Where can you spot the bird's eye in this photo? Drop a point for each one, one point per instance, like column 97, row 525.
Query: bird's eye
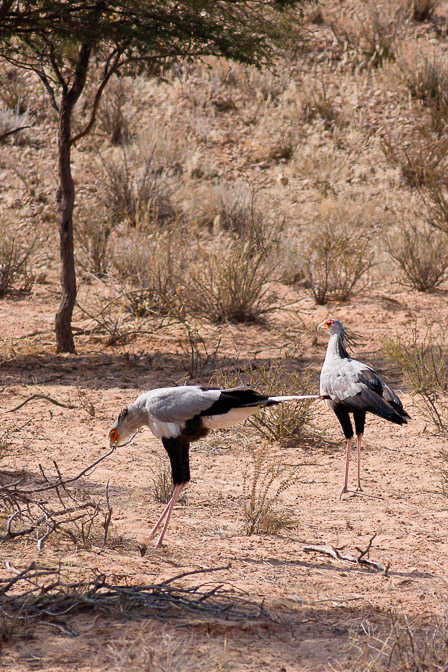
column 330, row 322
column 113, row 436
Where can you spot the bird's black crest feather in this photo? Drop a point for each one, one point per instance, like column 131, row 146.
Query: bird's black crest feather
column 123, row 414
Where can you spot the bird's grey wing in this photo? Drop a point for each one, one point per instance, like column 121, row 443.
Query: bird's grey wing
column 368, row 392
column 179, row 404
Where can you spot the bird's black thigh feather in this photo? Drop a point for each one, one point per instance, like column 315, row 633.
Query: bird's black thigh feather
column 178, row 452
column 360, row 421
column 344, row 418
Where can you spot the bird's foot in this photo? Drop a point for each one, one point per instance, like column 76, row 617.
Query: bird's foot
column 343, row 491
column 359, row 489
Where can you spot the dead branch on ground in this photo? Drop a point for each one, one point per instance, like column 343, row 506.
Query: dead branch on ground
column 68, row 516
column 327, row 549
column 39, row 594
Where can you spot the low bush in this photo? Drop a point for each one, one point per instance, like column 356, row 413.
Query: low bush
column 229, row 283
column 421, row 254
column 336, row 254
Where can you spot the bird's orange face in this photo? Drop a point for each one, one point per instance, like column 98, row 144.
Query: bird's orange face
column 326, row 324
column 114, row 436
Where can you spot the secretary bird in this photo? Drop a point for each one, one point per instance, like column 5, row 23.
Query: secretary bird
column 354, row 387
column 181, row 415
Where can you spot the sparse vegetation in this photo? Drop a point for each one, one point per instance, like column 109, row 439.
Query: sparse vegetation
column 264, row 482
column 403, row 643
column 16, row 273
column 335, row 259
column 232, row 283
column 422, row 359
column 218, row 206
column 421, row 253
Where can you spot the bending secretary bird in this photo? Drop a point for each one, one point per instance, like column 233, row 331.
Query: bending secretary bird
column 354, row 387
column 181, row 415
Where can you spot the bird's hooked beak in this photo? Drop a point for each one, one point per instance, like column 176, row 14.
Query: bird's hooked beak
column 323, row 325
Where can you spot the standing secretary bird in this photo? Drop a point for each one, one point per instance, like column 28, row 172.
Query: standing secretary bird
column 353, row 387
column 181, row 415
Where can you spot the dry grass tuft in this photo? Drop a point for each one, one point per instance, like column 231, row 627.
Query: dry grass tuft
column 16, row 254
column 264, row 482
column 407, row 646
column 147, row 647
column 373, row 30
column 424, row 70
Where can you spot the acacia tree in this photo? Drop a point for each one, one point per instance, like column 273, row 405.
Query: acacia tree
column 71, row 43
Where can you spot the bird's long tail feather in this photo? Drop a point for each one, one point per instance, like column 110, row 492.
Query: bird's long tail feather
column 296, row 397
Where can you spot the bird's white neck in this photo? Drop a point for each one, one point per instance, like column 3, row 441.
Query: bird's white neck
column 336, row 348
column 137, row 415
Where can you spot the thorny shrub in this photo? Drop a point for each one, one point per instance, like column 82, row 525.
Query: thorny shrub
column 230, row 283
column 421, row 157
column 149, row 265
column 287, row 423
column 421, row 253
column 336, row 253
column 200, row 359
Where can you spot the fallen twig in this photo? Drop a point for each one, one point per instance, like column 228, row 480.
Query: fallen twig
column 327, row 549
column 40, row 396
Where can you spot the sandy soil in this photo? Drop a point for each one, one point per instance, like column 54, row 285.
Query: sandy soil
column 318, row 604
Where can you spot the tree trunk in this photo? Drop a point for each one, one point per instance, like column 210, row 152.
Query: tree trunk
column 65, row 203
column 66, row 200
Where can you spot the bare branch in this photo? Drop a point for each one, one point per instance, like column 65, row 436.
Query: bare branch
column 15, row 130
column 40, row 396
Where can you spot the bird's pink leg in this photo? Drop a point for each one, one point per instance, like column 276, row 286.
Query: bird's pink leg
column 359, row 462
column 347, row 460
column 176, row 492
column 165, row 511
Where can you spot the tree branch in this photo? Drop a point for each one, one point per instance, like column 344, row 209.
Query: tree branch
column 108, row 72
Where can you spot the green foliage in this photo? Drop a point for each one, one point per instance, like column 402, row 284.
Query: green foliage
column 242, row 31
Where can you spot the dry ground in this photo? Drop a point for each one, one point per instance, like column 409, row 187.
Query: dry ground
column 321, row 603
column 308, row 144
